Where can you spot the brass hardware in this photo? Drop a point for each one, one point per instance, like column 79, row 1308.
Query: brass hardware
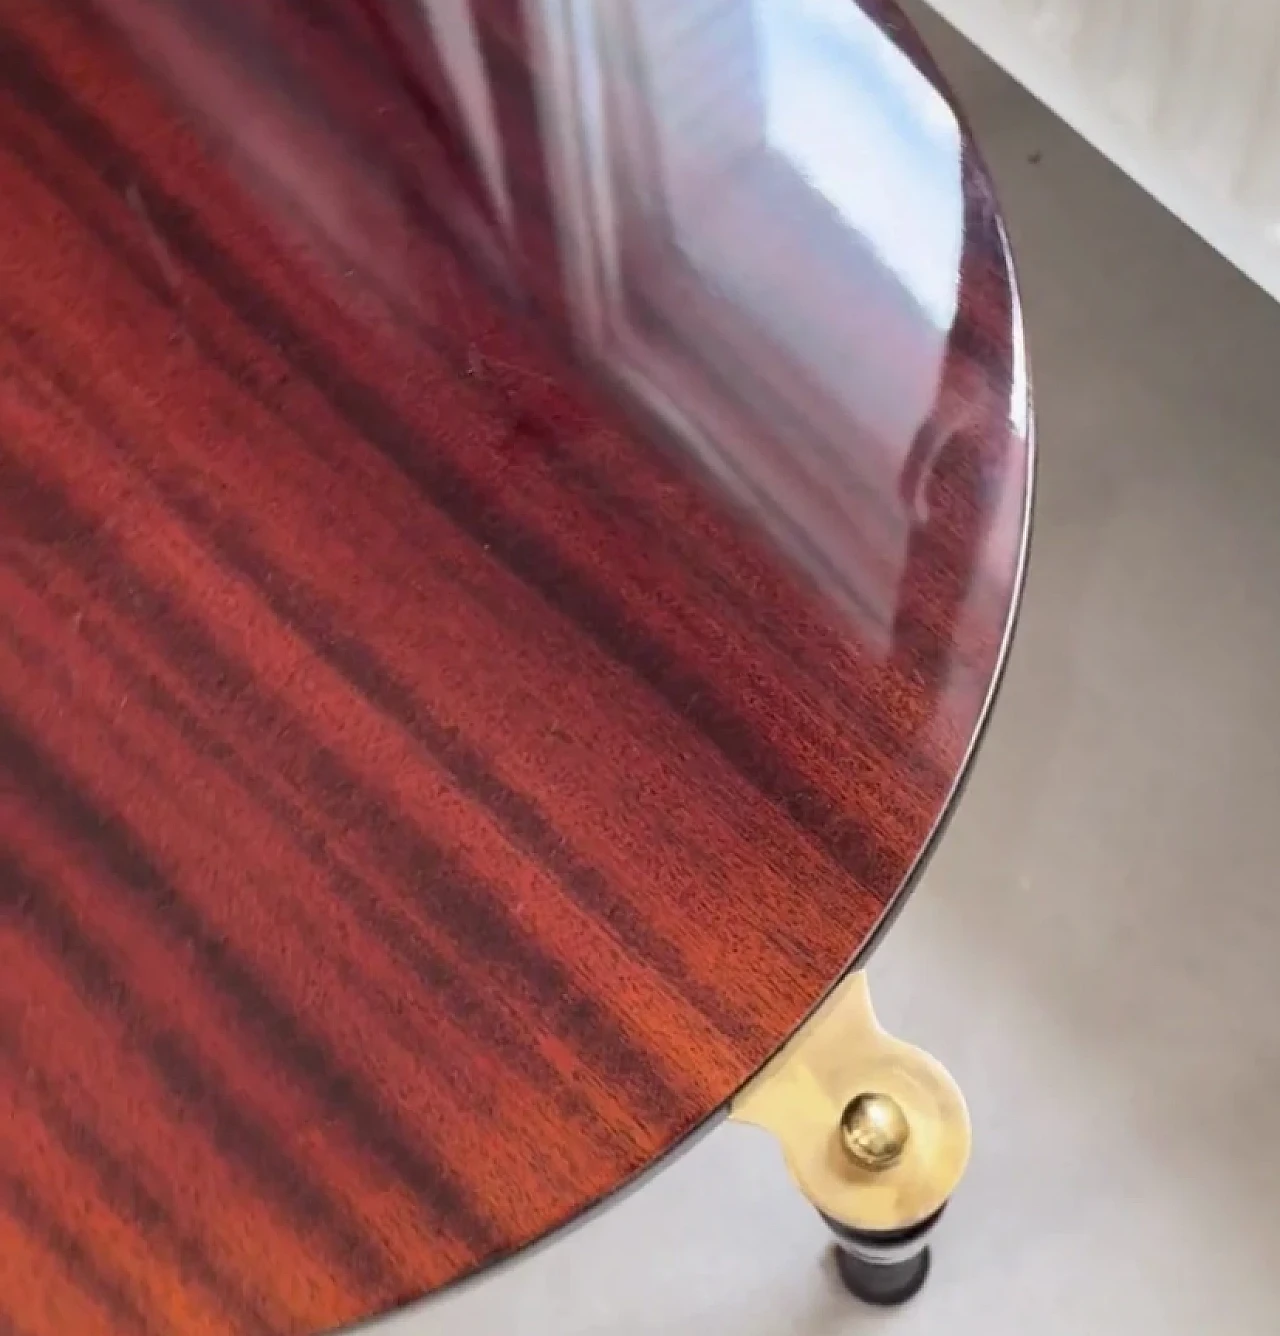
column 875, row 1132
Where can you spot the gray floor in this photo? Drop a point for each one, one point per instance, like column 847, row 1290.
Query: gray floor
column 1093, row 951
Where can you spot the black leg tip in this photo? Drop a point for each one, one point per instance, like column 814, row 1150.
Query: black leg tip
column 873, row 1267
column 885, row 1285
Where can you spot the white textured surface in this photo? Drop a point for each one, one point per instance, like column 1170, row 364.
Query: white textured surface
column 1182, row 94
column 1094, row 949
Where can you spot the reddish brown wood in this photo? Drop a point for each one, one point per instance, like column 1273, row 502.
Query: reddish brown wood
column 426, row 799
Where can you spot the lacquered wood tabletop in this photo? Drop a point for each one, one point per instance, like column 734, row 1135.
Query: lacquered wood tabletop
column 508, row 533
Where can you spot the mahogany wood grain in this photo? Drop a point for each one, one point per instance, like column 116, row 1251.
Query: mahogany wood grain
column 425, row 795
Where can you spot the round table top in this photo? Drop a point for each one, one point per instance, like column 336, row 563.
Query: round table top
column 499, row 589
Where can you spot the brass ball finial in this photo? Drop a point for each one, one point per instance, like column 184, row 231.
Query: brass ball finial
column 874, row 1130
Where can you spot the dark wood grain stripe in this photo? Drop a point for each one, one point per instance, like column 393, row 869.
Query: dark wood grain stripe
column 186, row 1077
column 291, row 1041
column 76, row 1255
column 473, row 1012
column 124, row 1190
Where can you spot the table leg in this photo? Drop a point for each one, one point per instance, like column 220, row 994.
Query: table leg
column 875, row 1133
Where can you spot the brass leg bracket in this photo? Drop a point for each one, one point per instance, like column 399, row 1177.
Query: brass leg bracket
column 875, row 1132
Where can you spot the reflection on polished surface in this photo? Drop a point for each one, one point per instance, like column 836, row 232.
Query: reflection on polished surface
column 510, row 520
column 764, row 216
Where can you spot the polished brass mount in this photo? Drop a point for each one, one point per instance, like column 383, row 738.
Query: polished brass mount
column 875, row 1132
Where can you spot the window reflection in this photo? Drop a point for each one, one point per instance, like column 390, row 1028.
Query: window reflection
column 826, row 72
column 763, row 204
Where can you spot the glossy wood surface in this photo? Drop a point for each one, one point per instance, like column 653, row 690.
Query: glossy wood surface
column 426, row 792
